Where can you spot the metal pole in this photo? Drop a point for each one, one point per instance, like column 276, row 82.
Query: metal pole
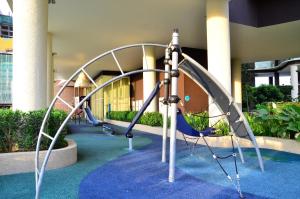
column 239, row 148
column 173, row 100
column 130, row 144
column 166, row 105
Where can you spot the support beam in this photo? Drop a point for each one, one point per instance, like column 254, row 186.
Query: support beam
column 294, row 82
column 29, row 87
column 218, row 45
column 50, row 70
column 271, row 80
column 149, row 79
column 276, row 76
column 236, row 81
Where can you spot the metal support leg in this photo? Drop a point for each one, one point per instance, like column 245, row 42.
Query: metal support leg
column 130, row 144
column 239, row 149
column 166, row 106
column 175, row 43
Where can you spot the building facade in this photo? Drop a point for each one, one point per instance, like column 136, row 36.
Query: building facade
column 6, row 66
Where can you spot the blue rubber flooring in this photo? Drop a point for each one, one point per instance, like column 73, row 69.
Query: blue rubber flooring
column 94, row 150
column 140, row 174
column 278, row 181
column 106, row 170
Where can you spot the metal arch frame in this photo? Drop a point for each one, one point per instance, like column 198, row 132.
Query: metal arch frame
column 242, row 117
column 39, row 172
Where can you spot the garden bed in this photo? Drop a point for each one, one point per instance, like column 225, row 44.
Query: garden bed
column 274, row 143
column 22, row 162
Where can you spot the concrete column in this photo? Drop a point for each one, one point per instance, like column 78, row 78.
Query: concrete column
column 270, row 80
column 29, row 87
column 236, row 81
column 50, row 72
column 276, row 76
column 149, row 78
column 218, row 45
column 294, row 82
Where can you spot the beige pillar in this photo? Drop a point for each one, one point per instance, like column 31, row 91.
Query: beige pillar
column 149, row 78
column 236, row 81
column 50, row 72
column 294, row 82
column 218, row 45
column 29, row 85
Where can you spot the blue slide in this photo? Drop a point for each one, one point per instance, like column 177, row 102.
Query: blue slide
column 142, row 110
column 91, row 118
column 187, row 129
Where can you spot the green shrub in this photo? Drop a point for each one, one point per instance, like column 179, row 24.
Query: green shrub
column 57, row 117
column 266, row 117
column 117, row 115
column 255, row 126
column 298, row 138
column 286, row 91
column 265, row 93
column 289, row 118
column 152, row 119
column 222, row 128
column 198, row 121
column 248, row 98
column 20, row 130
column 131, row 115
column 11, row 123
column 30, row 131
column 268, row 93
column 276, row 121
column 149, row 118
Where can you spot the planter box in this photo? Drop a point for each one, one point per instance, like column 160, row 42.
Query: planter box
column 22, row 162
column 279, row 144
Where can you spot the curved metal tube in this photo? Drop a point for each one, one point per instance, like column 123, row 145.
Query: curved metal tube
column 39, row 173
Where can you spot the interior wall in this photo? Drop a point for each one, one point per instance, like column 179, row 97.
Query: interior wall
column 186, row 86
column 114, row 97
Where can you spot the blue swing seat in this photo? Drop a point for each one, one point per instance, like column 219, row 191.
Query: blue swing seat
column 186, row 129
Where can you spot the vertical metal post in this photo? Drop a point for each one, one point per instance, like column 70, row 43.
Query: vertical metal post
column 166, row 105
column 130, row 144
column 173, row 100
column 236, row 140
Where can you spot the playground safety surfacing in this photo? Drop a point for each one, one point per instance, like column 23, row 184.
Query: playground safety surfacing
column 105, row 169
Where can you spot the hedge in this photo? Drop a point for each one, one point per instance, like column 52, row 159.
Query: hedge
column 198, row 121
column 19, row 130
column 149, row 118
column 253, row 96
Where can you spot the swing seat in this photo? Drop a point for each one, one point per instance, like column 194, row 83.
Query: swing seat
column 187, row 129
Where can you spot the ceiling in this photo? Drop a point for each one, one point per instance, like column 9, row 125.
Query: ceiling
column 84, row 29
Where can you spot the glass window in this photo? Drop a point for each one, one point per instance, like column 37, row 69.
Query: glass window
column 5, row 78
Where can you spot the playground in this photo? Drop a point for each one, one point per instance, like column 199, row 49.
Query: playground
column 219, row 97
column 112, row 100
